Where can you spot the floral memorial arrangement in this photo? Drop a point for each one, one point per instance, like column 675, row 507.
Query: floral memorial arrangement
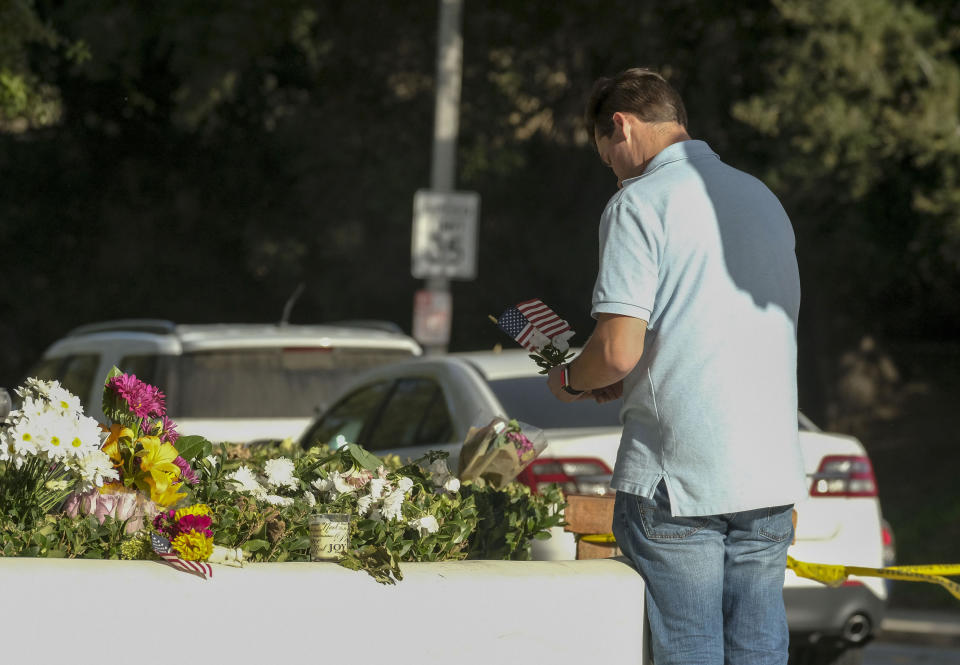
column 539, row 330
column 137, row 489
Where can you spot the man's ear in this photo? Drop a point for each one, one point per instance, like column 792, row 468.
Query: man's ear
column 620, row 125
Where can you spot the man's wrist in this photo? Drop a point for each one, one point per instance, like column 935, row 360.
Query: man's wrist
column 565, row 380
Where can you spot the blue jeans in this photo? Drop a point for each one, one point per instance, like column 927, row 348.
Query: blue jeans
column 714, row 584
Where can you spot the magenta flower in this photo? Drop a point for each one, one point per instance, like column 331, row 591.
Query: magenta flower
column 164, row 523
column 168, row 430
column 522, row 444
column 143, row 400
column 199, row 523
column 188, row 474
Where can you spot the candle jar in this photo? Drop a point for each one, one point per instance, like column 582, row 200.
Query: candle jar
column 329, row 536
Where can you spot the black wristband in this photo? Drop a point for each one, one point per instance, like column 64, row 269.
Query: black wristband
column 565, row 380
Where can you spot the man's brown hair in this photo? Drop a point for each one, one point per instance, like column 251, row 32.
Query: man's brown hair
column 642, row 92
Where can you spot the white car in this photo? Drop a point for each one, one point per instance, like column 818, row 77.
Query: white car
column 414, row 406
column 227, row 382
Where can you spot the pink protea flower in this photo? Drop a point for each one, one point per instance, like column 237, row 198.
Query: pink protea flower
column 144, row 400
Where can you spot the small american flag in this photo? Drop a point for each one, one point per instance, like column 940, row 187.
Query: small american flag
column 528, row 318
column 166, row 552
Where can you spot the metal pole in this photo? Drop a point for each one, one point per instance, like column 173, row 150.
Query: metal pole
column 446, row 123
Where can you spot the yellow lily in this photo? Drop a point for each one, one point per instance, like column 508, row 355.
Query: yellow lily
column 156, row 458
column 112, row 445
column 166, row 497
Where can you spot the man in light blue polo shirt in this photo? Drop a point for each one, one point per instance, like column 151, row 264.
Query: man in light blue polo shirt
column 696, row 304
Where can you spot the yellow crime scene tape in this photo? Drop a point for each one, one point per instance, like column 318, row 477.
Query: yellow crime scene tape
column 835, row 575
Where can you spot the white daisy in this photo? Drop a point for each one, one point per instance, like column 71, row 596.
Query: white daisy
column 63, row 401
column 94, row 468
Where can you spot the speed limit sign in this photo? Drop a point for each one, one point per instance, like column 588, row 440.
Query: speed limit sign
column 445, row 234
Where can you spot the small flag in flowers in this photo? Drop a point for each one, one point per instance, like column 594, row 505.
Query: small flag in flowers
column 534, row 325
column 166, row 552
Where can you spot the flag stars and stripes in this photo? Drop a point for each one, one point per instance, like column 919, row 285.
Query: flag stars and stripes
column 530, row 320
column 165, row 551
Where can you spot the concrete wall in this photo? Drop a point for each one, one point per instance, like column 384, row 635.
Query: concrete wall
column 463, row 613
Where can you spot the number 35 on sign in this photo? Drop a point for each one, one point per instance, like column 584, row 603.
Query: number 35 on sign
column 445, row 234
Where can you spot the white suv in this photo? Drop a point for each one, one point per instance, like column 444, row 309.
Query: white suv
column 228, row 382
column 429, row 403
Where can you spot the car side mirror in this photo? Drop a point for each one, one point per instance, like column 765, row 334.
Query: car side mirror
column 5, row 403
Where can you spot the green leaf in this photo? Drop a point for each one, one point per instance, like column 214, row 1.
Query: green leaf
column 193, row 446
column 255, row 545
column 364, row 458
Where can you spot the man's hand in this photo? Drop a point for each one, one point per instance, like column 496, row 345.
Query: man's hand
column 555, row 383
column 608, row 393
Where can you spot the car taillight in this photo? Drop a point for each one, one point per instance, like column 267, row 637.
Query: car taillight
column 844, row 475
column 575, row 475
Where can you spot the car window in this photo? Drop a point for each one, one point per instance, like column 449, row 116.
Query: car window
column 144, row 367
column 348, row 417
column 415, row 414
column 76, row 375
column 528, row 400
column 266, row 383
column 74, row 372
column 46, row 370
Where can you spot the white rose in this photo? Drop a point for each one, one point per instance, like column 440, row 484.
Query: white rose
column 452, row 484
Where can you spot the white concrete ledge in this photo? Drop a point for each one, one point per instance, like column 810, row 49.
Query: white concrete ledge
column 468, row 612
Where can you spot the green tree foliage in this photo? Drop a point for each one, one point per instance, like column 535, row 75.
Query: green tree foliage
column 26, row 99
column 861, row 117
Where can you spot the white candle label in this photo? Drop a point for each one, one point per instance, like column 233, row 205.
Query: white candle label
column 329, row 536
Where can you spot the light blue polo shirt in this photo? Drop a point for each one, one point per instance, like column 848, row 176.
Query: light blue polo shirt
column 705, row 254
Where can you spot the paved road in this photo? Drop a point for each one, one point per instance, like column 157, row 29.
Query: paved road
column 884, row 653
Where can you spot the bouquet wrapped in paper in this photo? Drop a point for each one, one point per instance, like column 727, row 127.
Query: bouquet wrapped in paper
column 499, row 451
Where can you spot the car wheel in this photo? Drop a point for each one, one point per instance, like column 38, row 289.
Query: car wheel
column 826, row 655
